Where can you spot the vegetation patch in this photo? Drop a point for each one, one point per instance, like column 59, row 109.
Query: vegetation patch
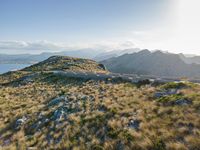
column 174, row 85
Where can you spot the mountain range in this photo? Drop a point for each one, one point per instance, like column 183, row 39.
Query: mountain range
column 94, row 54
column 133, row 60
column 34, row 58
column 156, row 63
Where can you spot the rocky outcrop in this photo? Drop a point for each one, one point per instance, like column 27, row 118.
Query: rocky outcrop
column 163, row 93
column 183, row 101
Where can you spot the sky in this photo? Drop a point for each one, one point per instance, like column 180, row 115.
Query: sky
column 35, row 26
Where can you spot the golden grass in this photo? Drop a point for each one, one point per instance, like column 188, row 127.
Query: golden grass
column 102, row 122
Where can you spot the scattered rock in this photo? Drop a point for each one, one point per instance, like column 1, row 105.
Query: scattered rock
column 6, row 142
column 84, row 97
column 165, row 93
column 91, row 98
column 20, row 122
column 102, row 108
column 58, row 114
column 61, row 107
column 41, row 115
column 134, row 123
column 183, row 101
column 57, row 100
column 120, row 145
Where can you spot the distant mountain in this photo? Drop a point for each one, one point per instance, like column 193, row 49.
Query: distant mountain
column 94, row 54
column 31, row 59
column 190, row 59
column 152, row 63
column 114, row 53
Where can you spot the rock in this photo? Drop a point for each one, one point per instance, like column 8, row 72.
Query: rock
column 58, row 114
column 159, row 94
column 6, row 142
column 91, row 98
column 134, row 123
column 84, row 97
column 46, row 120
column 102, row 108
column 171, row 91
column 183, row 101
column 20, row 122
column 57, row 100
column 40, row 116
column 101, row 66
column 165, row 93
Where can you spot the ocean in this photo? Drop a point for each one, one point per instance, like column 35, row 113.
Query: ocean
column 11, row 67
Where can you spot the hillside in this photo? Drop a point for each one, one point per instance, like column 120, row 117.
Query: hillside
column 43, row 110
column 66, row 63
column 152, row 63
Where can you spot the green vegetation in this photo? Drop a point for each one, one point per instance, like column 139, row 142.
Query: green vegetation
column 174, row 85
column 170, row 98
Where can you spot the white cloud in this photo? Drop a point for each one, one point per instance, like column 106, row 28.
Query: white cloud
column 30, row 47
column 27, row 45
column 17, row 47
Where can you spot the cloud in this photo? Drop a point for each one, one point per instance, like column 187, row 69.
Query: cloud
column 115, row 45
column 16, row 47
column 22, row 46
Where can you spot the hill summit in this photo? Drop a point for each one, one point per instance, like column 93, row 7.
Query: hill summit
column 67, row 63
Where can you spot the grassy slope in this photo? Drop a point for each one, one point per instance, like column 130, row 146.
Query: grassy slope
column 66, row 63
column 101, row 123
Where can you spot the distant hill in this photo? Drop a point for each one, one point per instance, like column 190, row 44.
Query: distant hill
column 34, row 58
column 66, row 63
column 152, row 63
column 95, row 54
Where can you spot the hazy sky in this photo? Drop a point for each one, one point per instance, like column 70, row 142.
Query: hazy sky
column 34, row 26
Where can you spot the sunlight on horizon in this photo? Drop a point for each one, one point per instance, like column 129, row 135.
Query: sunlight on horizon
column 186, row 36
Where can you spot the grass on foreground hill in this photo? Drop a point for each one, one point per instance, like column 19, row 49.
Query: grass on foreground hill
column 52, row 112
column 67, row 63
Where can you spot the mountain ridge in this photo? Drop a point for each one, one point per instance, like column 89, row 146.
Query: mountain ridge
column 152, row 63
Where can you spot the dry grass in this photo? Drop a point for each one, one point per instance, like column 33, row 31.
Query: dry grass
column 102, row 120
